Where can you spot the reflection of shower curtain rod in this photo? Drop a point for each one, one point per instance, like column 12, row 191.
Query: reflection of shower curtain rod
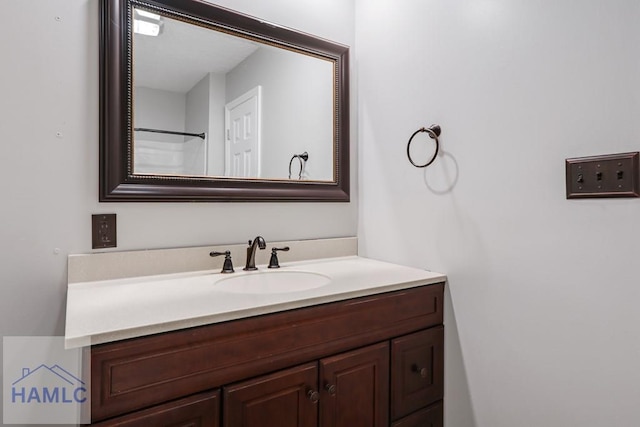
column 170, row 132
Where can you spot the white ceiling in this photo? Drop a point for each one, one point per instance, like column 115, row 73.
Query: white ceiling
column 183, row 54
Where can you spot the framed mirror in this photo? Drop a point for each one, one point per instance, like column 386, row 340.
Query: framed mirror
column 201, row 103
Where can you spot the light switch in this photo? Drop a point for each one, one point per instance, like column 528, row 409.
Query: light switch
column 612, row 175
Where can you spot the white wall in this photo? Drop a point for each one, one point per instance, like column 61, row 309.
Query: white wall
column 291, row 124
column 216, row 133
column 159, row 109
column 49, row 148
column 197, row 121
column 157, row 152
column 542, row 318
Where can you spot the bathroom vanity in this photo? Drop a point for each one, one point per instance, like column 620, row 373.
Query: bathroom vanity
column 365, row 349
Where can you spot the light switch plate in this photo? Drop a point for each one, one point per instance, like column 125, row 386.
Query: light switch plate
column 612, row 175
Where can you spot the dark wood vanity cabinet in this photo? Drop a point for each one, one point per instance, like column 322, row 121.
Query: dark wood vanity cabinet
column 431, row 416
column 260, row 401
column 370, row 361
column 417, row 363
column 345, row 390
column 354, row 388
column 200, row 410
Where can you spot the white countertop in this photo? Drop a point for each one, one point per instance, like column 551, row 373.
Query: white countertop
column 112, row 310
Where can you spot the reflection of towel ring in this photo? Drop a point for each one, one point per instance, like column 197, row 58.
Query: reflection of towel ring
column 434, row 132
column 301, row 157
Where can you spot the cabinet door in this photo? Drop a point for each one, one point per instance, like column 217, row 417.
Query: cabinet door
column 201, row 410
column 428, row 417
column 355, row 388
column 286, row 398
column 417, row 371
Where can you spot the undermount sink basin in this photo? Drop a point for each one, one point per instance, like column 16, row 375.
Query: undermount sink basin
column 272, row 282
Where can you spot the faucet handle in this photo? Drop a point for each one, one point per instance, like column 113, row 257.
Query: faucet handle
column 227, row 267
column 273, row 262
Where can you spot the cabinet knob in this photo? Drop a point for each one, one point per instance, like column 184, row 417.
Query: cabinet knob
column 331, row 388
column 424, row 372
column 313, row 395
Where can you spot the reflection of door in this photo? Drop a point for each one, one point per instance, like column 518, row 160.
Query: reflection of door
column 242, row 127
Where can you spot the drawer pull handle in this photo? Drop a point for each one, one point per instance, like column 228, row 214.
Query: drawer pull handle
column 331, row 388
column 424, row 372
column 314, row 396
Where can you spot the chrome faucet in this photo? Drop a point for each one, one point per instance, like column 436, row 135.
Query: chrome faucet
column 251, row 252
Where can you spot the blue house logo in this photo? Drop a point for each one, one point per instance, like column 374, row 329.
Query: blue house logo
column 44, row 383
column 48, row 385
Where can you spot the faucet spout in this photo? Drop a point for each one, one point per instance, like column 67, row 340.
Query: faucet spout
column 258, row 242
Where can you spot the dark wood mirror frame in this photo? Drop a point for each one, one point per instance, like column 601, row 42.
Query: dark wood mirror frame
column 117, row 181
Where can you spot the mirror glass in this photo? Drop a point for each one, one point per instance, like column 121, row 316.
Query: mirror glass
column 202, row 103
column 207, row 103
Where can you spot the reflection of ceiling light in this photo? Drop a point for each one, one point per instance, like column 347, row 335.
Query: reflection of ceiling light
column 147, row 23
column 146, row 28
column 146, row 14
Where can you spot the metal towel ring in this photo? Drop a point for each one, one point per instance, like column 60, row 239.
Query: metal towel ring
column 434, row 132
column 301, row 157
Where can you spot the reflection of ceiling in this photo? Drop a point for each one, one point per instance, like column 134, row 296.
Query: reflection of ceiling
column 183, row 54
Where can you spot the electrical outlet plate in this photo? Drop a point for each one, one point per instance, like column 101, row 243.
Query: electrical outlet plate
column 103, row 231
column 612, row 175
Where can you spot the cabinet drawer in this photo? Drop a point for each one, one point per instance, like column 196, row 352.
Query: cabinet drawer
column 417, row 371
column 427, row 417
column 202, row 410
